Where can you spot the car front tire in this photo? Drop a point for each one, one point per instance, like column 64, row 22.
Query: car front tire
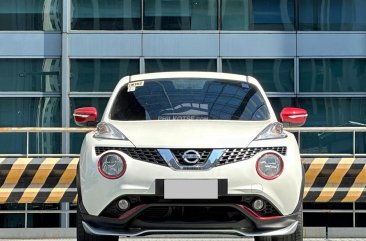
column 84, row 236
column 296, row 236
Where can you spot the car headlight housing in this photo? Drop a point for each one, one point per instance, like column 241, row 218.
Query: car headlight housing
column 112, row 165
column 269, row 166
column 272, row 131
column 108, row 131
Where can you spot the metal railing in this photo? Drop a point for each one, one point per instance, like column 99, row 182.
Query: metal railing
column 296, row 130
column 28, row 130
column 321, row 130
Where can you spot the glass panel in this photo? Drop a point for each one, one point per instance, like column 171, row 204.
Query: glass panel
column 334, row 15
column 332, row 75
column 258, row 15
column 190, row 99
column 275, row 75
column 30, row 112
column 76, row 139
column 100, row 74
column 106, row 15
column 336, row 112
column 157, row 65
column 30, row 75
column 43, row 220
column 180, row 15
column 12, row 220
column 41, row 15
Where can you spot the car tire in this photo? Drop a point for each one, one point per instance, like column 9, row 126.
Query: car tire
column 265, row 238
column 297, row 235
column 84, row 236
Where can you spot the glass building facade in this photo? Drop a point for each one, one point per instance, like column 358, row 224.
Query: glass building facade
column 58, row 55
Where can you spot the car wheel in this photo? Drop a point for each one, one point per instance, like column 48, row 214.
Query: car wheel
column 297, row 235
column 84, row 236
column 263, row 238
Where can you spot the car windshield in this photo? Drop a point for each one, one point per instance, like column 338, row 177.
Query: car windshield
column 189, row 99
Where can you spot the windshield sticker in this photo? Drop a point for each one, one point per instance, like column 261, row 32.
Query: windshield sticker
column 245, row 86
column 132, row 86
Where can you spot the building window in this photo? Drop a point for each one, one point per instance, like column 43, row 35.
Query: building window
column 42, row 75
column 157, row 65
column 258, row 15
column 180, row 15
column 337, row 112
column 100, row 75
column 30, row 15
column 30, row 112
column 275, row 75
column 332, row 15
column 332, row 75
column 106, row 15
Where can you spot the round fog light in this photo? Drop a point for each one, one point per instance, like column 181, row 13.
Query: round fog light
column 123, row 204
column 258, row 205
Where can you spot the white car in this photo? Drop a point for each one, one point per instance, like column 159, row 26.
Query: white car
column 189, row 152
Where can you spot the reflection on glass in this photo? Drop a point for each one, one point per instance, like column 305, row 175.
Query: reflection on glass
column 100, row 74
column 106, row 15
column 275, row 75
column 332, row 15
column 76, row 139
column 41, row 15
column 180, row 15
column 30, row 112
column 258, row 15
column 332, row 75
column 42, row 75
column 157, row 65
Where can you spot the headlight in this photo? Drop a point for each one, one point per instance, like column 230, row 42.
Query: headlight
column 272, row 131
column 269, row 166
column 112, row 165
column 108, row 131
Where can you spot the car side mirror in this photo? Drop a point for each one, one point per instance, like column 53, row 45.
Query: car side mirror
column 294, row 116
column 86, row 116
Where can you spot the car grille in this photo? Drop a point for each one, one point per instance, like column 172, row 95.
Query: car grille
column 231, row 155
column 204, row 153
column 237, row 154
column 142, row 154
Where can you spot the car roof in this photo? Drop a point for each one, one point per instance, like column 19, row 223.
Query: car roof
column 188, row 74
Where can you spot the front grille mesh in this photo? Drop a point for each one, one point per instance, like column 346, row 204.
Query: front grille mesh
column 237, row 154
column 204, row 153
column 142, row 154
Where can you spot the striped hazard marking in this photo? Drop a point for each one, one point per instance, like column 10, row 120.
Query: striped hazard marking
column 38, row 180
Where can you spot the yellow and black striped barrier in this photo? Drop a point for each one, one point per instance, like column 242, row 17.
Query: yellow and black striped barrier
column 38, row 180
column 52, row 180
column 335, row 179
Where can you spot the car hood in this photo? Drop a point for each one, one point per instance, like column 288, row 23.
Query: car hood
column 191, row 134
